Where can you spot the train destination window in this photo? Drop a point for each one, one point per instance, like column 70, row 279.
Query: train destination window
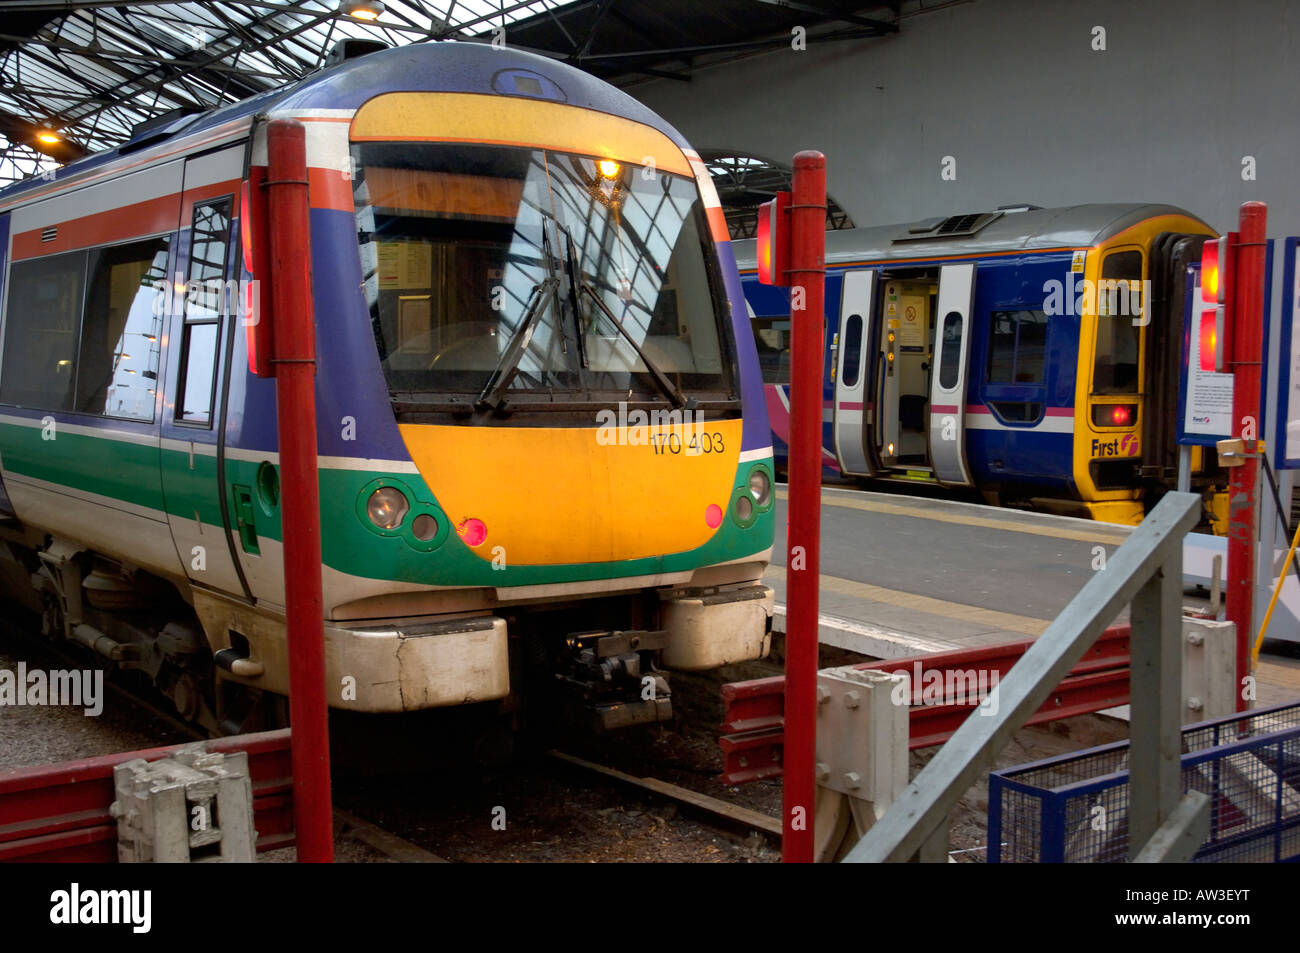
column 1017, row 347
column 208, row 298
column 42, row 321
column 772, row 338
column 117, row 369
column 581, row 274
column 852, row 350
column 1115, row 367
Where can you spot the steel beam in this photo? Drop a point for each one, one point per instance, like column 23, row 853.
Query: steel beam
column 1181, row 835
column 1156, row 702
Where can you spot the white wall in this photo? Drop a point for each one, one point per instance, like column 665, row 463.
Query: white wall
column 1014, row 91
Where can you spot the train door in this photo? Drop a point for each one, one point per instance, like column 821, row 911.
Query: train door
column 852, row 373
column 906, row 342
column 951, row 366
column 200, row 318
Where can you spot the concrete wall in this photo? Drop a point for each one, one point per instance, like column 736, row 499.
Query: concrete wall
column 1013, row 90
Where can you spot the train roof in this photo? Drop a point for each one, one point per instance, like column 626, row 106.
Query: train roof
column 442, row 66
column 1020, row 228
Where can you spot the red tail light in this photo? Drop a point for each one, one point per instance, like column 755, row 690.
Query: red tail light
column 773, row 245
column 256, row 298
column 1114, row 415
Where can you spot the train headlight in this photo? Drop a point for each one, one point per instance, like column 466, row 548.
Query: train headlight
column 387, row 507
column 760, row 487
column 424, row 527
column 744, row 509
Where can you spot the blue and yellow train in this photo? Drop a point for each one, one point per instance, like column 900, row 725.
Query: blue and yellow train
column 543, row 448
column 1029, row 354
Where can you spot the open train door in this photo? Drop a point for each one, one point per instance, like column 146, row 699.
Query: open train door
column 856, row 329
column 948, row 380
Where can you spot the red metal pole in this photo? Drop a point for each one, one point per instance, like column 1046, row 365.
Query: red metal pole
column 803, row 534
column 295, row 398
column 1247, row 356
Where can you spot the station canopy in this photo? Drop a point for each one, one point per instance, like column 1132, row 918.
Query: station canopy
column 76, row 78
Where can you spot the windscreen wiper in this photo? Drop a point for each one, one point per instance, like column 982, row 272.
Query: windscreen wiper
column 543, row 296
column 574, row 271
column 669, row 389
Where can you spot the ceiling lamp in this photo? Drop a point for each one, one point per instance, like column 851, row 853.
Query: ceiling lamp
column 362, row 9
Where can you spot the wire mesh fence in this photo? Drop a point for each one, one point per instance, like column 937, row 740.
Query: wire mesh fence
column 1074, row 808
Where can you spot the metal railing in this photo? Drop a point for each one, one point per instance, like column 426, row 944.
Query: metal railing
column 1145, row 573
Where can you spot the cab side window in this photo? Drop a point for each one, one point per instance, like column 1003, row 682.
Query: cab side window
column 208, row 300
column 1119, row 304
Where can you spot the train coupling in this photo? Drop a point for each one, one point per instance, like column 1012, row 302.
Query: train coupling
column 612, row 681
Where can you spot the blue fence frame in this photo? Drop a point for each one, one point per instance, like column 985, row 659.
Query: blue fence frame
column 1249, row 765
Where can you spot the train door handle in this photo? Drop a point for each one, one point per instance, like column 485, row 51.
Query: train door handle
column 245, row 520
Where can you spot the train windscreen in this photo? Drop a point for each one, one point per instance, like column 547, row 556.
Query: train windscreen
column 540, row 277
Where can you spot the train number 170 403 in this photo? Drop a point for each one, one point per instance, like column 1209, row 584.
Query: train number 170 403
column 692, row 444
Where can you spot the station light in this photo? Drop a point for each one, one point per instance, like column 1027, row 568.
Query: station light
column 773, row 245
column 608, row 168
column 48, row 136
column 363, row 9
column 1216, row 279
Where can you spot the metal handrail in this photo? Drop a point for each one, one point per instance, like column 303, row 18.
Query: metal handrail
column 1146, row 572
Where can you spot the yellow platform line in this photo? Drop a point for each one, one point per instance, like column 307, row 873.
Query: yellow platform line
column 1023, row 624
column 983, row 522
column 1284, row 675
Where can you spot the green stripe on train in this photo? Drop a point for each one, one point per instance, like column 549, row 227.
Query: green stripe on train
column 134, row 472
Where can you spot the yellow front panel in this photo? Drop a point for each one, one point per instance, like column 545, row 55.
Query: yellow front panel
column 558, row 495
column 1095, row 443
column 505, row 120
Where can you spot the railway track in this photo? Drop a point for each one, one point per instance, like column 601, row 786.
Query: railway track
column 739, row 825
column 714, row 811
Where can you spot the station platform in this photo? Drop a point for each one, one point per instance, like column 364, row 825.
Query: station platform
column 905, row 575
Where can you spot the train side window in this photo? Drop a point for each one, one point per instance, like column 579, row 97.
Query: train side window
column 1017, row 347
column 772, row 338
column 1119, row 301
column 950, row 359
column 852, row 350
column 208, row 299
column 40, row 354
column 117, row 366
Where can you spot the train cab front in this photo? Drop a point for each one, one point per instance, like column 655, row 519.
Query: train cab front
column 551, row 318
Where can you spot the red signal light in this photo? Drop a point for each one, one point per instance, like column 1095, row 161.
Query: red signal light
column 1212, row 339
column 773, row 245
column 1216, row 284
column 1210, row 271
column 1121, row 415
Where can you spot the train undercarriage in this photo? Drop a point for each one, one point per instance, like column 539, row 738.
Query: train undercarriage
column 558, row 670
